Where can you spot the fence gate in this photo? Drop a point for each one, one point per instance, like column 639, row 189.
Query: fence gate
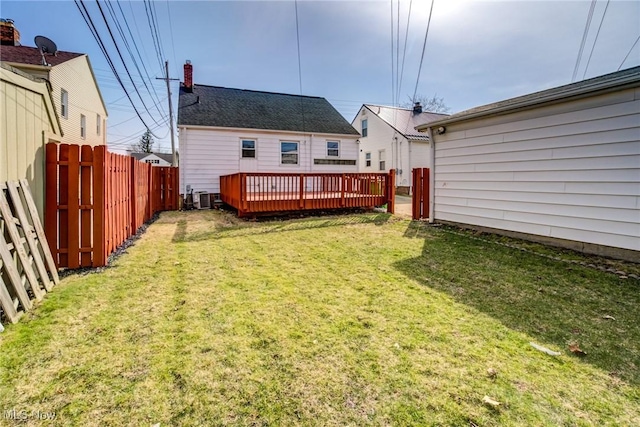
column 420, row 200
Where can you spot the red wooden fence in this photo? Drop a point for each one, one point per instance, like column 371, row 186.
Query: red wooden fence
column 420, row 201
column 95, row 200
column 252, row 193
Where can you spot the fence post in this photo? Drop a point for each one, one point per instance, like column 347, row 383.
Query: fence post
column 425, row 192
column 134, row 196
column 391, row 191
column 86, row 160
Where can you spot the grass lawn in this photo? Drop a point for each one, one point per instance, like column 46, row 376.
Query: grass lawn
column 349, row 320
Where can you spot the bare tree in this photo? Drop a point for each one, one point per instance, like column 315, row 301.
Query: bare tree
column 435, row 104
column 144, row 144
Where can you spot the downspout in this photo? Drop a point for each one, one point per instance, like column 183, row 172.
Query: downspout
column 410, row 168
column 432, row 176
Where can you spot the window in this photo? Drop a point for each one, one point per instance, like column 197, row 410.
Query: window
column 381, row 160
column 153, row 161
column 289, row 153
column 333, row 148
column 98, row 121
column 367, row 158
column 248, row 149
column 64, row 103
column 364, row 127
column 83, row 126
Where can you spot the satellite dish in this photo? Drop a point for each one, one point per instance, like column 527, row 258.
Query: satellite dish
column 46, row 45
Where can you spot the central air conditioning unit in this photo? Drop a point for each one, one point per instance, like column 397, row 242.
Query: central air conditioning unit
column 201, row 200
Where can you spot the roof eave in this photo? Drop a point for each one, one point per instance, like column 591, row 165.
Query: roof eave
column 554, row 98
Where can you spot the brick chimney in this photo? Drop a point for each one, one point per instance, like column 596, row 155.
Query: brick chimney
column 188, row 76
column 417, row 108
column 9, row 34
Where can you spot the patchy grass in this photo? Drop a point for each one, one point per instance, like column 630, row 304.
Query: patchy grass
column 351, row 320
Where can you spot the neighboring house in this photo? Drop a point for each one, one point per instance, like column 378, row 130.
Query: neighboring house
column 390, row 141
column 224, row 131
column 27, row 121
column 561, row 165
column 155, row 159
column 75, row 92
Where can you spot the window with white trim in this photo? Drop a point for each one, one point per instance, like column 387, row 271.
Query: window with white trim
column 248, row 148
column 365, row 127
column 64, row 103
column 381, row 160
column 367, row 159
column 83, row 126
column 288, row 153
column 333, row 148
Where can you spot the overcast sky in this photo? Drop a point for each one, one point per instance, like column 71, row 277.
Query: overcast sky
column 477, row 52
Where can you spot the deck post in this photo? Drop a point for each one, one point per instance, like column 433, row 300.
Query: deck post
column 344, row 183
column 391, row 191
column 301, row 191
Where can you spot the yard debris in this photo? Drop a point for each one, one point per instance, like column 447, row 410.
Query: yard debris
column 491, row 402
column 545, row 349
column 492, row 373
column 607, row 317
column 575, row 349
column 1, row 328
column 396, row 345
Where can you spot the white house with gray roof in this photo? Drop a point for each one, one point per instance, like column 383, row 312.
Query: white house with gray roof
column 225, row 131
column 561, row 166
column 390, row 140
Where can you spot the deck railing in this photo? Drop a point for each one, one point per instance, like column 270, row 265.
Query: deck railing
column 255, row 193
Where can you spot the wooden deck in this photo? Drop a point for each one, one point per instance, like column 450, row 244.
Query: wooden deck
column 263, row 193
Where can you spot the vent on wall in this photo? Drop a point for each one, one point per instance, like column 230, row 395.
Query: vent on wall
column 201, row 200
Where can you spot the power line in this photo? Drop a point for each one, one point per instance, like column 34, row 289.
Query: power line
column 424, row 45
column 131, row 55
column 94, row 31
column 299, row 67
column 404, row 51
column 596, row 39
column 628, row 53
column 173, row 46
column 393, row 81
column 584, row 39
column 135, row 87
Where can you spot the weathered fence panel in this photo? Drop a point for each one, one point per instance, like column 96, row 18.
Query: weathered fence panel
column 95, row 200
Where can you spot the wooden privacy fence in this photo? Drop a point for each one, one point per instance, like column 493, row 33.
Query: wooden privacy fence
column 95, row 200
column 27, row 270
column 420, row 200
column 253, row 193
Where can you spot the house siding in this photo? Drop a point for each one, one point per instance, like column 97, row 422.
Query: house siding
column 207, row 154
column 25, row 128
column 568, row 171
column 76, row 78
column 398, row 156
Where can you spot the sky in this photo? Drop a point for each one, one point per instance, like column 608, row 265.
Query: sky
column 350, row 52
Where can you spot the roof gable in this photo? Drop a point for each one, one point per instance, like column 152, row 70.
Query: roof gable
column 31, row 56
column 403, row 120
column 247, row 109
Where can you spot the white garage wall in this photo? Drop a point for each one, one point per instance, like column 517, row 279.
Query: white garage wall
column 568, row 171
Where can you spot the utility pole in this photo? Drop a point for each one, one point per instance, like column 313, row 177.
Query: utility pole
column 173, row 143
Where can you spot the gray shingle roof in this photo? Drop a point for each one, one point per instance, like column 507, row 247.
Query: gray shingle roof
column 248, row 109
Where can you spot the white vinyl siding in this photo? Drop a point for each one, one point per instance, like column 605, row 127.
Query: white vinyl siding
column 570, row 171
column 206, row 154
column 98, row 124
column 75, row 77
